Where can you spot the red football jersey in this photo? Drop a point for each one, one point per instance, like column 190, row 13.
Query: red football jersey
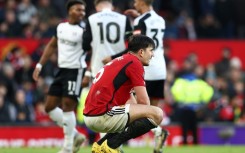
column 113, row 83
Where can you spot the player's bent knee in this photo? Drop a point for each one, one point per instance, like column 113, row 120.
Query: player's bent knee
column 158, row 115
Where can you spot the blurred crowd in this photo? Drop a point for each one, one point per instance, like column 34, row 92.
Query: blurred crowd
column 185, row 19
column 22, row 99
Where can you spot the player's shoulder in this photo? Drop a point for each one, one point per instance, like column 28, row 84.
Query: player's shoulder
column 62, row 24
column 107, row 13
column 132, row 59
column 67, row 25
column 142, row 18
column 118, row 14
column 155, row 15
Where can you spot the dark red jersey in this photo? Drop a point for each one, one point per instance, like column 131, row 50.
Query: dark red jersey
column 113, row 84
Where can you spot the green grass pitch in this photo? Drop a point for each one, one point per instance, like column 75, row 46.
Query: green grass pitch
column 168, row 149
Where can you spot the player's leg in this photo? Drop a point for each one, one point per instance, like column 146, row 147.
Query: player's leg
column 71, row 87
column 51, row 107
column 142, row 119
column 69, row 123
column 53, row 101
column 155, row 90
column 160, row 134
column 109, row 123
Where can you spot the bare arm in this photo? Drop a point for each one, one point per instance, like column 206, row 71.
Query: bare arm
column 48, row 51
column 132, row 12
column 141, row 95
column 132, row 99
column 88, row 74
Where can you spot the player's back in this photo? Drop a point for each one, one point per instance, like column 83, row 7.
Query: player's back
column 108, row 32
column 113, row 83
column 153, row 27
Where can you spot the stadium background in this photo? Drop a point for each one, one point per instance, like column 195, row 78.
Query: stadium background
column 198, row 31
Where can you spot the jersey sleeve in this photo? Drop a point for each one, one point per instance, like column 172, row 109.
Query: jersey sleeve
column 140, row 27
column 56, row 32
column 128, row 29
column 135, row 72
column 87, row 37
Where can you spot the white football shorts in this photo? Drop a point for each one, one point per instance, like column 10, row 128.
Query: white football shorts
column 113, row 121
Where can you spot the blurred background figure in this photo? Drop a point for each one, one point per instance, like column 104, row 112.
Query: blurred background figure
column 191, row 94
column 7, row 109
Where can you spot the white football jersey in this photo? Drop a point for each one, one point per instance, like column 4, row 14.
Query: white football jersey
column 153, row 26
column 107, row 32
column 69, row 45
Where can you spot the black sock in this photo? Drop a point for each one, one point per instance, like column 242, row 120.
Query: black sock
column 135, row 129
column 107, row 136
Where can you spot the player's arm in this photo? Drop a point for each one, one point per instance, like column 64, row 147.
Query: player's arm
column 141, row 95
column 87, row 39
column 128, row 30
column 140, row 28
column 132, row 12
column 87, row 75
column 135, row 73
column 86, row 44
column 132, row 99
column 50, row 48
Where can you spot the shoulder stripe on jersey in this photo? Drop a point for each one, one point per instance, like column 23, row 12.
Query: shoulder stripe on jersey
column 121, row 77
column 145, row 17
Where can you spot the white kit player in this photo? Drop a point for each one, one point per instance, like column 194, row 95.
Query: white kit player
column 105, row 34
column 66, row 87
column 149, row 23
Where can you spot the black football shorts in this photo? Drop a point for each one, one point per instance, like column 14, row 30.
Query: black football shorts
column 67, row 83
column 155, row 88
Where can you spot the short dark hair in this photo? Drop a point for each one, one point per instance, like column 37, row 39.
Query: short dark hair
column 96, row 2
column 70, row 3
column 137, row 42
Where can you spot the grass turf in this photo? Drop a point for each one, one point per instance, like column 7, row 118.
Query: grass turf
column 181, row 149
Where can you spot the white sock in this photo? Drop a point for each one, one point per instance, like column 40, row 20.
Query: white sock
column 157, row 131
column 102, row 135
column 69, row 124
column 57, row 116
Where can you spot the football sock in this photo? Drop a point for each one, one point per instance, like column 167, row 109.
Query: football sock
column 157, row 131
column 69, row 124
column 135, row 129
column 107, row 136
column 57, row 116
